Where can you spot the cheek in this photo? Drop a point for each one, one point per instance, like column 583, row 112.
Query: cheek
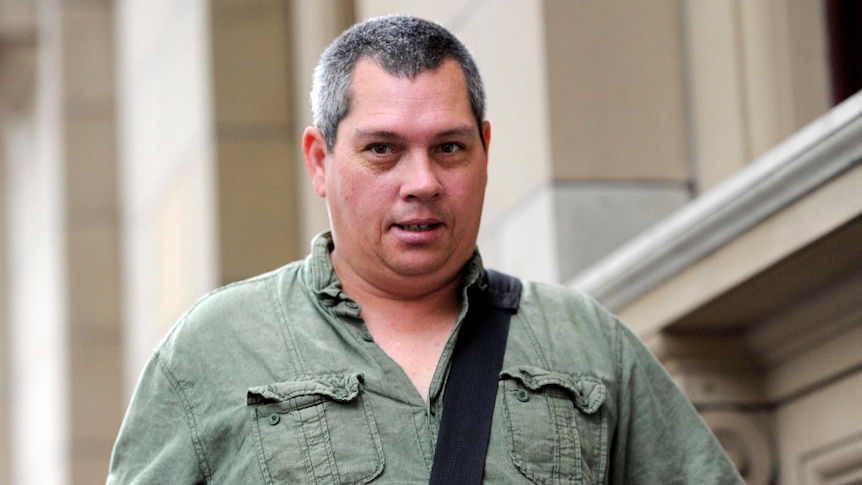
column 471, row 191
column 362, row 200
column 345, row 187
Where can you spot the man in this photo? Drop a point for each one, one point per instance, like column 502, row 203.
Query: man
column 334, row 369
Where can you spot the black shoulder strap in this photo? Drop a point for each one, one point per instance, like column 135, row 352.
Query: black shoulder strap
column 471, row 387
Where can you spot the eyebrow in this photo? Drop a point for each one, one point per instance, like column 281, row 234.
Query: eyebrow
column 365, row 134
column 466, row 131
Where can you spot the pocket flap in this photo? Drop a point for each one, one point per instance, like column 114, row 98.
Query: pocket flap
column 343, row 387
column 587, row 392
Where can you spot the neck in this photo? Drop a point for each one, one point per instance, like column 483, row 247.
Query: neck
column 382, row 285
column 412, row 328
column 425, row 302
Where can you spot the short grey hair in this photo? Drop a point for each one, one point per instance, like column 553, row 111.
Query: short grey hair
column 402, row 46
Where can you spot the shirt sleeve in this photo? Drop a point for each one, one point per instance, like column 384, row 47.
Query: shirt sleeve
column 660, row 437
column 157, row 440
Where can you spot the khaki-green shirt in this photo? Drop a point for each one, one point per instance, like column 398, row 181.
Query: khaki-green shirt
column 277, row 380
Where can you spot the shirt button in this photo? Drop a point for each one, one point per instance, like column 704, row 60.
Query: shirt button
column 523, row 395
column 274, row 419
column 340, row 393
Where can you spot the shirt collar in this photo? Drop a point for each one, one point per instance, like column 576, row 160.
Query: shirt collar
column 324, row 282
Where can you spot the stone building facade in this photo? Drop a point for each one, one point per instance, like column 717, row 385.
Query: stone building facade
column 693, row 164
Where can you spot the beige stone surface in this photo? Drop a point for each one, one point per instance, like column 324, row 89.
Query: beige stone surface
column 166, row 168
column 88, row 57
column 90, row 147
column 757, row 73
column 616, row 90
column 95, row 275
column 820, row 436
column 776, row 238
column 96, row 407
column 258, row 207
column 250, row 71
column 718, row 124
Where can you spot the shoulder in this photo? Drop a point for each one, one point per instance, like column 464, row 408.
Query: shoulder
column 247, row 312
column 562, row 306
column 562, row 328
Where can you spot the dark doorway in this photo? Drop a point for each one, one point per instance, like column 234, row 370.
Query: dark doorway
column 844, row 18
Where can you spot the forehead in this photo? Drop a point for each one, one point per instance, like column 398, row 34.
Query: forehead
column 377, row 93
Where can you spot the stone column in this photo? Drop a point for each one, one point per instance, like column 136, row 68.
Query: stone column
column 722, row 378
column 313, row 26
column 35, row 250
column 92, row 237
column 258, row 161
column 167, row 168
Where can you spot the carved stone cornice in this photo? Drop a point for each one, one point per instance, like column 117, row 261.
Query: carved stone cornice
column 816, row 155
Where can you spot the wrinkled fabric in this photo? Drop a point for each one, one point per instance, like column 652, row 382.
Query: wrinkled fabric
column 277, row 380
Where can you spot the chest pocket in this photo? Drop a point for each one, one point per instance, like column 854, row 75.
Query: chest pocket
column 319, row 430
column 557, row 425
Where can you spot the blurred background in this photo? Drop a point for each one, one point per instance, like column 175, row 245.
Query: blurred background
column 693, row 164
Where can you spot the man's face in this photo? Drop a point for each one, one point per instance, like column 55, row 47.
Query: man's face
column 405, row 181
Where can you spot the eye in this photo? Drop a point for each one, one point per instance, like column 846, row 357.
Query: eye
column 450, row 147
column 379, row 149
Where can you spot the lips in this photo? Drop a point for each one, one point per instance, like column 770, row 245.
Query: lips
column 417, row 227
column 421, row 231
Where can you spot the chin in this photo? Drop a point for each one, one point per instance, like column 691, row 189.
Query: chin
column 414, row 267
column 414, row 270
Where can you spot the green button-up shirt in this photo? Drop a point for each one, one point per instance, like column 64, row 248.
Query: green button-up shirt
column 277, row 380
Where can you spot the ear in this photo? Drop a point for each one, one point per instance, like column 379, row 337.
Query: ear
column 486, row 135
column 314, row 151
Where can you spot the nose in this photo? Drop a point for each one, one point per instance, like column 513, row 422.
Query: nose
column 420, row 178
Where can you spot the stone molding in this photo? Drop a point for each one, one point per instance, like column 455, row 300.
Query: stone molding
column 841, row 463
column 747, row 443
column 817, row 154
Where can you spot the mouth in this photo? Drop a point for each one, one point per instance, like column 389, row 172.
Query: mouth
column 417, row 227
